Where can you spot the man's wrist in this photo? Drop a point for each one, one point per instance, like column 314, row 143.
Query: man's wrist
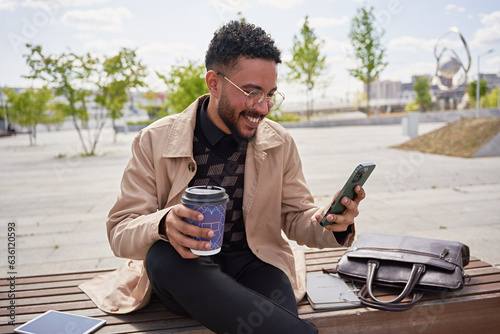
column 161, row 227
column 340, row 236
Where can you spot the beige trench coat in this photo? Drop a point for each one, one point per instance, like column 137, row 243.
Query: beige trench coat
column 276, row 198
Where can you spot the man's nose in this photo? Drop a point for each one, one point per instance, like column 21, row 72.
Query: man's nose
column 263, row 108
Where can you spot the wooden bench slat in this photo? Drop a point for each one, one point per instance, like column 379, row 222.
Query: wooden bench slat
column 64, row 306
column 483, row 271
column 159, row 324
column 43, row 292
column 53, row 278
column 481, row 279
column 46, row 285
column 74, row 297
column 319, row 260
column 159, row 327
column 477, row 264
column 315, row 254
column 476, row 316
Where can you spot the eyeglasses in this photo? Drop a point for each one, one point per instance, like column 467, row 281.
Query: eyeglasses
column 256, row 96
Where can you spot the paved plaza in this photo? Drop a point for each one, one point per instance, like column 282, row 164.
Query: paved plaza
column 59, row 201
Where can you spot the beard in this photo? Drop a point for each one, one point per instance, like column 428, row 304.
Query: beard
column 230, row 116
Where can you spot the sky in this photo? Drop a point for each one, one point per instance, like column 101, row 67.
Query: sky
column 173, row 32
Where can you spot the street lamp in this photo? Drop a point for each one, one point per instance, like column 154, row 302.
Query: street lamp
column 2, row 106
column 498, row 91
column 478, row 79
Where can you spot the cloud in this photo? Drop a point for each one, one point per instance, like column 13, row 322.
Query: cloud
column 489, row 34
column 168, row 49
column 405, row 73
column 452, row 7
column 230, row 6
column 60, row 3
column 321, row 21
column 84, row 36
column 337, row 47
column 340, row 63
column 493, row 62
column 9, row 5
column 282, row 4
column 411, row 44
column 165, row 55
column 103, row 46
column 106, row 19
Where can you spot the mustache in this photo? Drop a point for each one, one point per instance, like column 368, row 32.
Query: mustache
column 253, row 113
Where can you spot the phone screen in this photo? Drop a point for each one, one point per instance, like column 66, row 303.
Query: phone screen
column 358, row 177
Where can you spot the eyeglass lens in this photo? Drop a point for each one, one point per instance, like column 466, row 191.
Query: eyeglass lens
column 256, row 97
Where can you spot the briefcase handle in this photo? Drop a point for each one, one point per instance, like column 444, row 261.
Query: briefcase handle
column 392, row 305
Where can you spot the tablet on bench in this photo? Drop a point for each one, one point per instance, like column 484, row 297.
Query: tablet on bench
column 60, row 322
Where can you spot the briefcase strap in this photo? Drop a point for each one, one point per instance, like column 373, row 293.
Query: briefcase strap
column 363, row 296
column 392, row 305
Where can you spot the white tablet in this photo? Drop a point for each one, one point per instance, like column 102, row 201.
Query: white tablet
column 60, row 322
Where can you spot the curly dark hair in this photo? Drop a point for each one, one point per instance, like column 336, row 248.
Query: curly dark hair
column 237, row 39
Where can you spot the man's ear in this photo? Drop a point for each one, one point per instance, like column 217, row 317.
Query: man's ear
column 214, row 84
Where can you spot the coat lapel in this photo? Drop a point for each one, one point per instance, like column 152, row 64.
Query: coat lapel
column 266, row 138
column 179, row 150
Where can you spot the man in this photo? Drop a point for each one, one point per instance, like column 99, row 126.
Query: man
column 221, row 139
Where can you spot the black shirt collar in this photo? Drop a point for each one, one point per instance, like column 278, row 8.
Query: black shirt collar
column 213, row 134
column 210, row 130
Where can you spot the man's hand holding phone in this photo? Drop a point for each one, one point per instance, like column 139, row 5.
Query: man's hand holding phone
column 340, row 222
column 344, row 207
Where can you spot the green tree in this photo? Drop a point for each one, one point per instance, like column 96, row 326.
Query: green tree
column 307, row 63
column 412, row 106
column 422, row 87
column 119, row 74
column 69, row 75
column 472, row 89
column 369, row 53
column 184, row 85
column 28, row 108
column 241, row 17
column 491, row 100
column 54, row 117
column 155, row 106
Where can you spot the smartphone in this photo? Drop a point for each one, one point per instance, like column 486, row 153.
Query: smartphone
column 358, row 177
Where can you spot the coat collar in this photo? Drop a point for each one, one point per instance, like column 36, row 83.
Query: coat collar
column 179, row 142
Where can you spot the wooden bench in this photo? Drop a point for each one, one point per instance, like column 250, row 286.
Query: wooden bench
column 475, row 309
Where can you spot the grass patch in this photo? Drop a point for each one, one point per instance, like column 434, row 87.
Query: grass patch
column 284, row 117
column 147, row 122
column 459, row 139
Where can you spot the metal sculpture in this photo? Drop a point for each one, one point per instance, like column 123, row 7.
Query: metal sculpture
column 451, row 72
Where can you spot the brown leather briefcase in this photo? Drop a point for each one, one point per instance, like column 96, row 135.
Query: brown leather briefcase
column 413, row 264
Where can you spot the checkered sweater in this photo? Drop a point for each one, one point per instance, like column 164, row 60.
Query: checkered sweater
column 227, row 173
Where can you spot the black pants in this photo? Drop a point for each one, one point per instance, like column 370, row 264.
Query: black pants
column 231, row 292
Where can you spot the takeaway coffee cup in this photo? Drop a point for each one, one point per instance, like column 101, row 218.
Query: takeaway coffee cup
column 211, row 202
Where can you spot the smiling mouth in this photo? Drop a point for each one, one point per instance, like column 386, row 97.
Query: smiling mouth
column 252, row 118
